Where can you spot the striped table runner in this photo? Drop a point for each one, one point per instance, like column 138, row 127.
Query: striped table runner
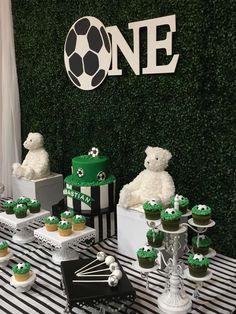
column 46, row 297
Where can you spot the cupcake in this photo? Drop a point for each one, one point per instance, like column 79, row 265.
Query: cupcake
column 152, row 209
column 183, row 203
column 67, row 215
column 202, row 246
column 8, row 206
column 198, row 264
column 146, row 256
column 201, row 214
column 20, row 210
column 34, row 206
column 21, row 271
column 155, row 238
column 170, row 219
column 3, row 248
column 64, row 228
column 23, row 200
column 78, row 222
column 51, row 223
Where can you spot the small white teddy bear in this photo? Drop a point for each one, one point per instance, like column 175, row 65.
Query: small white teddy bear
column 36, row 163
column 152, row 183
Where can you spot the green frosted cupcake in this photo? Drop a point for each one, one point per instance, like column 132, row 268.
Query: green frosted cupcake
column 67, row 215
column 170, row 219
column 3, row 248
column 8, row 206
column 34, row 206
column 51, row 223
column 146, row 256
column 152, row 209
column 23, row 200
column 64, row 228
column 183, row 203
column 202, row 246
column 155, row 238
column 78, row 222
column 21, row 271
column 198, row 264
column 20, row 210
column 201, row 214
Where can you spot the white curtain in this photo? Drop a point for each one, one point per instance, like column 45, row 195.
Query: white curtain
column 10, row 128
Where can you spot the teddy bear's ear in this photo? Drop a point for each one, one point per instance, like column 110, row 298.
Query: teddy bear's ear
column 168, row 155
column 148, row 150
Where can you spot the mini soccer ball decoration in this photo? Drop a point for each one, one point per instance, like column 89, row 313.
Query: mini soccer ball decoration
column 101, row 176
column 170, row 211
column 87, row 53
column 80, row 172
column 93, row 152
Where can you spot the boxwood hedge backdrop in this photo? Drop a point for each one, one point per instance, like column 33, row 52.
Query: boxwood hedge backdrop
column 189, row 112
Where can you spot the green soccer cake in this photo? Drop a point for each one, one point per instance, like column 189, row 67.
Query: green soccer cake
column 90, row 187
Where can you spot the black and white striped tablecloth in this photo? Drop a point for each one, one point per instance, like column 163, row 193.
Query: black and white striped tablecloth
column 46, row 297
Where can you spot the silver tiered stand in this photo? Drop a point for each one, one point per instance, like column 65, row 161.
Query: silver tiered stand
column 62, row 244
column 174, row 300
column 22, row 227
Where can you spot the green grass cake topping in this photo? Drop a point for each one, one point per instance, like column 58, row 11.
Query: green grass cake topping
column 21, row 268
column 63, row 224
column 170, row 214
column 202, row 210
column 198, row 260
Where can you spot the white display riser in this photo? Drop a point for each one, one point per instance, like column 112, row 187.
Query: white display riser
column 131, row 231
column 48, row 191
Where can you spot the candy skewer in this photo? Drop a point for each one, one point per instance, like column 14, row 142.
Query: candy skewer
column 108, row 261
column 112, row 267
column 117, row 273
column 100, row 257
column 112, row 281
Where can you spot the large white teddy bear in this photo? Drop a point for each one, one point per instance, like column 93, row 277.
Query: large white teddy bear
column 36, row 163
column 152, row 183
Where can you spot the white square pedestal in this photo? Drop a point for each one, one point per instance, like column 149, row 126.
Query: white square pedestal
column 48, row 191
column 131, row 231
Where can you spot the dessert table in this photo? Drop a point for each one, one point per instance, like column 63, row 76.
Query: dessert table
column 217, row 296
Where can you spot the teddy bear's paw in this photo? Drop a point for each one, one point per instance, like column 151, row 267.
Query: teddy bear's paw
column 19, row 172
column 29, row 173
column 125, row 197
column 15, row 166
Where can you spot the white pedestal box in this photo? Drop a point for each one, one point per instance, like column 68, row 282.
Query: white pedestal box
column 48, row 191
column 131, row 231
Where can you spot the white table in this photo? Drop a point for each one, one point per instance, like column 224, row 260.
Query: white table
column 20, row 226
column 55, row 241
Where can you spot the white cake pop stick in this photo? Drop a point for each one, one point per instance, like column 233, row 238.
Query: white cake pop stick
column 100, row 257
column 117, row 273
column 176, row 202
column 108, row 260
column 112, row 267
column 112, row 281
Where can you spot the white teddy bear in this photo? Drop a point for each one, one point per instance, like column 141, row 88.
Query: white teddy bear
column 36, row 163
column 152, row 183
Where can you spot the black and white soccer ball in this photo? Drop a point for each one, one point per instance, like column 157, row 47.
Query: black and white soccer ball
column 20, row 265
column 80, row 172
column 101, row 176
column 94, row 152
column 170, row 211
column 202, row 207
column 87, row 53
column 200, row 257
column 147, row 248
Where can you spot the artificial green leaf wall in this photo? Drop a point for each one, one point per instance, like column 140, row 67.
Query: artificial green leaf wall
column 190, row 112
